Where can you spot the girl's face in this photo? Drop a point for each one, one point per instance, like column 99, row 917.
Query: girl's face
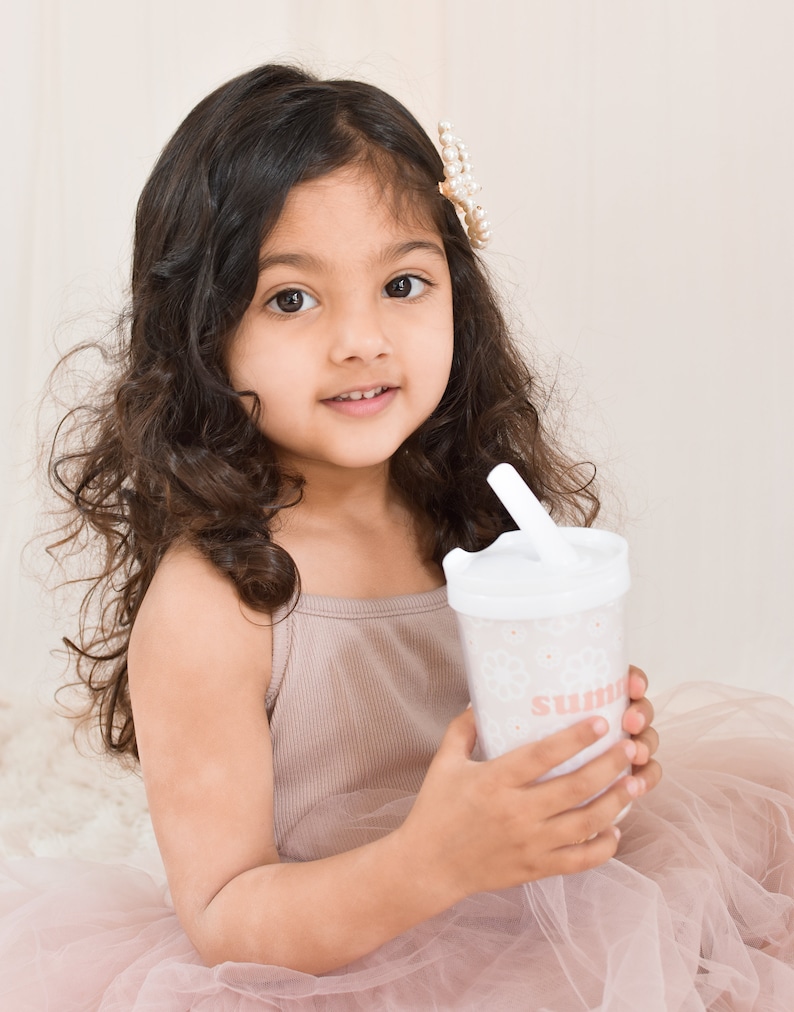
column 348, row 339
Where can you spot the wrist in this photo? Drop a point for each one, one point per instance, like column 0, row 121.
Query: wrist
column 426, row 868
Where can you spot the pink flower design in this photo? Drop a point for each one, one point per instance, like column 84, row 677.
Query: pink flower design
column 549, row 657
column 514, row 633
column 598, row 624
column 519, row 727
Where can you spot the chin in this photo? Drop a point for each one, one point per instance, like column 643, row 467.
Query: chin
column 356, row 460
column 361, row 462
column 356, row 451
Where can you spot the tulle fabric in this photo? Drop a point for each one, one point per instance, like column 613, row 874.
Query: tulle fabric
column 696, row 913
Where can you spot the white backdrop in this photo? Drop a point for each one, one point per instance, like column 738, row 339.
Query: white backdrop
column 637, row 161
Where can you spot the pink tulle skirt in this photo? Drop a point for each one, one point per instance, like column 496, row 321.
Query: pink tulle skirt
column 696, row 912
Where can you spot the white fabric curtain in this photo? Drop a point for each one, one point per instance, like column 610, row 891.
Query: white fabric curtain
column 637, row 163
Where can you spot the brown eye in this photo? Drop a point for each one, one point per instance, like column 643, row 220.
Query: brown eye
column 291, row 300
column 404, row 286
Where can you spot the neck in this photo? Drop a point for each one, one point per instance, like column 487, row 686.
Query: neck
column 353, row 535
column 330, row 493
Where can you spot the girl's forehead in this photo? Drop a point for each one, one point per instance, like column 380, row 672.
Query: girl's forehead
column 353, row 198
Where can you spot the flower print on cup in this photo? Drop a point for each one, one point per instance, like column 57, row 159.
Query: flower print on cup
column 514, row 633
column 587, row 669
column 519, row 728
column 494, row 739
column 559, row 625
column 598, row 624
column 473, row 622
column 548, row 656
column 479, row 634
column 505, row 675
column 472, row 645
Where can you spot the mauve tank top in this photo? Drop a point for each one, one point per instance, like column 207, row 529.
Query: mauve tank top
column 360, row 696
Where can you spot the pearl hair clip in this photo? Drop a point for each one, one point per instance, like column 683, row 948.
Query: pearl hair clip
column 459, row 186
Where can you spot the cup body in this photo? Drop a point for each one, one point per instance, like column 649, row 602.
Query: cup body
column 531, row 677
column 543, row 648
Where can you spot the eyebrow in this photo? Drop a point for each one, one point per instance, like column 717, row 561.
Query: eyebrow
column 395, row 251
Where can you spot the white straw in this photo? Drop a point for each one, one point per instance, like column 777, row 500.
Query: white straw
column 520, row 502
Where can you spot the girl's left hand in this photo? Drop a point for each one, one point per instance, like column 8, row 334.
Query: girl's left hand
column 637, row 722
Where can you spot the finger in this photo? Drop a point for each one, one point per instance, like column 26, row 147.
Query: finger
column 460, row 737
column 571, row 790
column 523, row 765
column 584, row 854
column 638, row 716
column 649, row 776
column 638, row 682
column 647, row 743
column 587, row 821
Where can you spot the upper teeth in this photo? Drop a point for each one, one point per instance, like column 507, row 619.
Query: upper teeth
column 356, row 395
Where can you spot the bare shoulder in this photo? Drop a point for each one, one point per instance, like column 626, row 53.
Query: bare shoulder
column 197, row 654
column 199, row 666
column 193, row 621
column 193, row 610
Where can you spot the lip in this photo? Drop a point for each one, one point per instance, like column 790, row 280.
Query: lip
column 364, row 407
column 364, row 388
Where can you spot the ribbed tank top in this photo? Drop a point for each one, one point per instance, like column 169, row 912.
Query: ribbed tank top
column 360, row 696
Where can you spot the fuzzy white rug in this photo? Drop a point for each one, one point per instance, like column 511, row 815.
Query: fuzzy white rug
column 58, row 801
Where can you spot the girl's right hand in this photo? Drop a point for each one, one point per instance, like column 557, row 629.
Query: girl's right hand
column 480, row 826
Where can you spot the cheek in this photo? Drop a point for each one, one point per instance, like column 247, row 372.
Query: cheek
column 436, row 359
column 238, row 358
column 446, row 350
column 266, row 367
column 438, row 342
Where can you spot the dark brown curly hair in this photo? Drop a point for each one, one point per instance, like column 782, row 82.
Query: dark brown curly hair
column 173, row 452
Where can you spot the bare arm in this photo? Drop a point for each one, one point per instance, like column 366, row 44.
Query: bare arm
column 199, row 669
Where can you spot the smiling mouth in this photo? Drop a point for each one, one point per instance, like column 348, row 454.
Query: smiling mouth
column 361, row 395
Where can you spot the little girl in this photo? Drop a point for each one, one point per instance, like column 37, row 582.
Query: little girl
column 314, row 383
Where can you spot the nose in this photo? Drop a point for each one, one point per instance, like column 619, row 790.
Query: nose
column 359, row 334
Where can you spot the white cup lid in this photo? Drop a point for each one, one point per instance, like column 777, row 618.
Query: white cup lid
column 507, row 580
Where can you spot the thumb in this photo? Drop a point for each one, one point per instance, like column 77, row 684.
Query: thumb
column 461, row 736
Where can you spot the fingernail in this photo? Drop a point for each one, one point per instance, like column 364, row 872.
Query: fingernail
column 632, row 786
column 629, row 748
column 600, row 726
column 616, row 831
column 641, row 784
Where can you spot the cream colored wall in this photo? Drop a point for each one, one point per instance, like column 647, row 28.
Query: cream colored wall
column 637, row 161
